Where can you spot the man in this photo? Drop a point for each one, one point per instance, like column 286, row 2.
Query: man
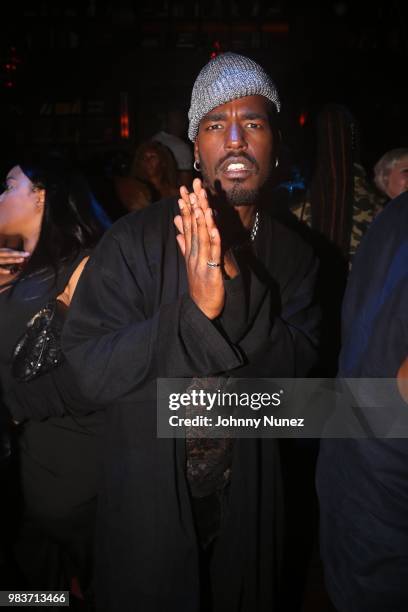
column 231, row 296
column 363, row 484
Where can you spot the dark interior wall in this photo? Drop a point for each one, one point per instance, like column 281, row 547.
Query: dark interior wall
column 88, row 53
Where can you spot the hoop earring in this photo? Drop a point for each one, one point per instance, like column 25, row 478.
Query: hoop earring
column 196, row 166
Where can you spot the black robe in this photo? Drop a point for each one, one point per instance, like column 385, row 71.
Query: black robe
column 131, row 322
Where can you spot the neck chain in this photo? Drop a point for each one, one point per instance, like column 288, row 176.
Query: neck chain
column 255, row 227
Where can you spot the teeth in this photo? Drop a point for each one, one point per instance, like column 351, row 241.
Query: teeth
column 236, row 167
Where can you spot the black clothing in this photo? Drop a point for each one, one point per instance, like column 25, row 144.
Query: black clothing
column 133, row 321
column 59, row 448
column 363, row 484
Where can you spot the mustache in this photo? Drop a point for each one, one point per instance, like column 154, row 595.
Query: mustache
column 230, row 156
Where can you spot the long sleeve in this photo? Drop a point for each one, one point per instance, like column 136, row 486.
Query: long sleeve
column 275, row 314
column 54, row 394
column 117, row 340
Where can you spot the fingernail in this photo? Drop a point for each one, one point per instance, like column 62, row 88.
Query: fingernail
column 193, row 199
column 181, row 204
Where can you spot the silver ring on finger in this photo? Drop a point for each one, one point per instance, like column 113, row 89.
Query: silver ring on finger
column 213, row 264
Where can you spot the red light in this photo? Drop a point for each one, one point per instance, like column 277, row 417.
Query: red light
column 124, row 126
column 302, row 119
column 124, row 116
column 217, row 49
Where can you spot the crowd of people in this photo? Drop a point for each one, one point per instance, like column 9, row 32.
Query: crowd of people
column 206, row 280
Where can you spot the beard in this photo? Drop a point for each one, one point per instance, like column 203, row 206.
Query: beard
column 237, row 195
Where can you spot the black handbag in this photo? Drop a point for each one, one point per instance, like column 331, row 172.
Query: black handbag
column 39, row 348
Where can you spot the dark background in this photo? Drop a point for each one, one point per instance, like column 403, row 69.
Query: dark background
column 69, row 71
column 72, row 73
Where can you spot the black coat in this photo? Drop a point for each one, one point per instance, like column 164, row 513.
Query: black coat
column 131, row 322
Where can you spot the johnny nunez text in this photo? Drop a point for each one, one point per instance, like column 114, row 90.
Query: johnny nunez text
column 254, row 423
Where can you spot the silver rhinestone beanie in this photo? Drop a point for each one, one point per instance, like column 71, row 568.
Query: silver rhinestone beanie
column 227, row 77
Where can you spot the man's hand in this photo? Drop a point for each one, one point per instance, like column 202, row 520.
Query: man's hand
column 200, row 242
column 197, row 198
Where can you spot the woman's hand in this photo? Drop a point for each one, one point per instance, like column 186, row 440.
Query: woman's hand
column 10, row 259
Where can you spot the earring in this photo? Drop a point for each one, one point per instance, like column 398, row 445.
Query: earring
column 196, row 165
column 277, row 163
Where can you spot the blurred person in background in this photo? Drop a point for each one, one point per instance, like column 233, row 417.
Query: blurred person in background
column 154, row 165
column 172, row 135
column 49, row 223
column 391, row 172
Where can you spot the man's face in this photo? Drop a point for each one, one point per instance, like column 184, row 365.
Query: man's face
column 235, row 148
column 398, row 178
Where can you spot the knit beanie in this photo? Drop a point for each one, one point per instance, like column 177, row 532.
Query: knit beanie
column 227, row 77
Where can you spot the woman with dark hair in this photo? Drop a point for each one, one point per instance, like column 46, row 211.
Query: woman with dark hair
column 49, row 222
column 154, row 164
